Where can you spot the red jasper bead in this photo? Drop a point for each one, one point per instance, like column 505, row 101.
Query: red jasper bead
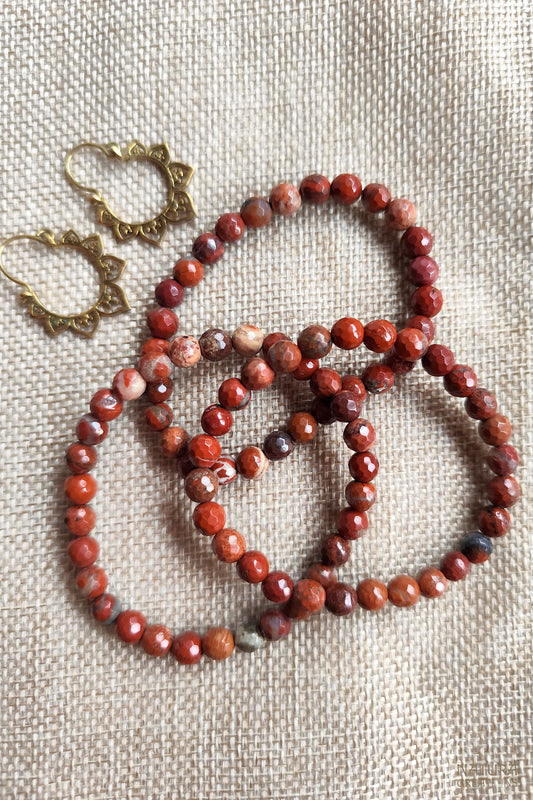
column 80, row 520
column 106, row 608
column 215, row 344
column 232, row 394
column 323, row 574
column 277, row 587
column 347, row 333
column 503, row 460
column 360, row 496
column 91, row 430
column 256, row 212
column 460, row 381
column 252, row 567
column 455, row 566
column 228, row 545
column 275, row 625
column 81, row 458
column 251, row 463
column 225, row 469
column 201, row 485
column 375, row 197
column 335, row 550
column 353, row 383
column 371, row 594
column 359, row 435
column 209, row 518
column 80, row 489
column 163, row 323
column 315, row 342
column 378, row 378
column 325, row 383
column 189, row 272
column 398, row 365
column 417, row 241
column 156, row 640
column 159, row 391
column 363, row 466
column 169, row 293
column 285, row 199
column 503, row 491
column 432, row 582
column 284, row 356
column 302, row 427
column 400, row 214
column 272, row 338
column 307, row 599
column 495, row 430
column 158, row 416
column 106, row 405
column 315, row 189
column 216, row 420
column 380, row 335
column 204, row 450
column 410, row 345
column 423, row 271
column 346, row 189
column 256, row 374
column 438, row 360
column 83, row 551
column 306, row 368
column 403, row 591
column 351, row 524
column 427, row 301
column 423, row 324
column 187, row 648
column 130, row 626
column 91, row 581
column 341, row 599
column 345, row 406
column 481, row 404
column 151, row 346
column 208, row 248
column 218, row 643
column 152, row 367
column 230, row 227
column 173, row 441
column 494, row 521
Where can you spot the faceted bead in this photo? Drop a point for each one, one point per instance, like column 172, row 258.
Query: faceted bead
column 417, row 241
column 347, row 333
column 232, row 394
column 494, row 521
column 230, row 227
column 277, row 587
column 307, row 598
column 360, row 496
column 285, row 199
column 321, row 410
column 158, row 416
column 353, row 383
column 423, row 324
column 90, row 430
column 323, row 574
column 335, row 550
column 129, row 384
column 315, row 189
column 130, row 626
column 423, row 271
column 83, row 551
column 105, row 405
column 427, row 301
column 345, row 406
column 80, row 489
column 278, row 445
column 460, row 381
column 476, row 547
column 371, row 594
column 378, row 378
column 154, row 367
column 400, row 214
column 272, row 338
column 341, row 599
column 256, row 374
column 403, row 591
column 209, row 518
column 346, row 189
column 204, row 450
column 315, row 342
column 252, row 567
column 218, row 643
column 249, row 638
column 106, row 608
column 503, row 460
column 375, row 197
column 248, row 340
column 154, row 346
column 380, row 335
column 251, row 463
column 225, row 470
column 455, row 566
column 81, row 458
column 188, row 271
column 302, row 427
column 169, row 293
column 216, row 420
column 173, row 440
column 306, row 368
column 284, row 356
column 185, row 351
column 432, row 582
column 325, row 383
column 215, row 344
column 411, row 344
column 156, row 640
column 228, row 545
column 256, row 212
column 163, row 323
column 359, row 435
column 91, row 581
column 275, row 625
column 159, row 391
column 503, row 491
column 208, row 248
column 398, row 365
column 481, row 404
column 201, row 485
column 351, row 524
column 80, row 520
column 438, row 360
column 187, row 648
column 363, row 467
column 496, row 430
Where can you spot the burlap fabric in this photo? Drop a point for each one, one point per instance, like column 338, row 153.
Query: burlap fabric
column 434, row 99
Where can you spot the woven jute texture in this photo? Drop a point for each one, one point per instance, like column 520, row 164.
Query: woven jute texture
column 434, row 100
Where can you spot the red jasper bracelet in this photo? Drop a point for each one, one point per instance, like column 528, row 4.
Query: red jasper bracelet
column 321, row 584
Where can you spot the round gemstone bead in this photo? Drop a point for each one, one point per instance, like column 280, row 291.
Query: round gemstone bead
column 351, row 524
column 130, row 626
column 91, row 582
column 215, row 344
column 256, row 212
column 503, row 491
column 315, row 342
column 302, row 427
column 371, row 594
column 346, row 189
column 248, row 638
column 306, row 368
column 363, row 467
column 398, row 365
column 438, row 360
column 230, row 227
column 232, row 394
column 400, row 214
column 91, row 430
column 256, row 374
column 216, row 420
column 285, row 199
column 325, row 383
column 208, row 248
column 345, row 406
column 455, row 566
column 252, row 567
column 359, row 435
column 106, row 608
column 81, row 458
column 427, row 301
column 155, row 366
column 321, row 411
column 159, row 391
column 423, row 324
column 284, row 356
column 375, row 197
column 353, row 383
column 163, row 323
column 129, row 384
column 173, row 440
column 278, row 445
column 251, row 463
column 315, row 189
column 80, row 520
column 495, row 430
column 307, row 598
column 218, row 643
column 156, row 640
column 106, row 405
column 248, row 340
column 275, row 625
column 481, row 404
column 83, row 551
column 403, row 591
column 341, row 599
column 503, row 460
column 225, row 470
column 80, row 489
column 209, row 518
column 158, row 416
column 423, row 271
column 494, row 521
column 432, row 582
column 272, row 338
column 185, row 351
column 380, row 335
column 476, row 547
column 201, row 485
column 347, row 333
column 228, row 545
column 323, row 574
column 152, row 346
column 277, row 587
column 169, row 293
column 378, row 378
column 335, row 550
column 187, row 648
column 460, row 381
column 417, row 241
column 360, row 496
column 204, row 450
column 411, row 344
column 188, row 271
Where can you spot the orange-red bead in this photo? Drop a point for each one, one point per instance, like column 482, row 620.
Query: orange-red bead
column 371, row 594
column 83, row 551
column 228, row 545
column 204, row 450
column 346, row 189
column 130, row 626
column 81, row 458
column 352, row 524
column 410, row 345
column 427, row 301
column 359, row 435
column 230, row 227
column 256, row 374
column 188, row 271
column 201, row 485
column 106, row 405
column 91, row 581
column 252, row 567
column 380, row 335
column 163, row 323
column 400, row 214
column 432, row 582
column 80, row 489
column 460, row 381
column 284, row 356
column 173, row 440
column 218, row 643
column 232, row 394
column 251, row 463
column 347, row 333
column 209, row 518
column 285, row 199
column 325, row 383
column 503, row 491
column 307, row 598
column 277, row 587
column 403, row 591
column 495, row 430
column 80, row 520
column 187, row 647
column 302, row 427
column 157, row 640
column 360, row 496
column 91, row 430
column 315, row 189
column 216, row 420
column 256, row 212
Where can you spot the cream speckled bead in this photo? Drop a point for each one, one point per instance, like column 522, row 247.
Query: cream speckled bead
column 248, row 340
column 129, row 384
column 185, row 351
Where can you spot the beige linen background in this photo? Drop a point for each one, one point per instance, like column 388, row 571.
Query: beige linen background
column 432, row 98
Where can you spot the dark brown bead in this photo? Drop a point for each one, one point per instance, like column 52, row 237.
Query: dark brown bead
column 417, row 241
column 481, row 404
column 503, row 460
column 322, row 573
column 335, row 550
column 345, row 406
column 455, row 566
column 494, row 521
column 256, row 212
column 215, row 344
column 346, row 189
column 460, row 381
column 321, row 411
column 341, row 599
column 307, row 599
column 230, row 227
column 159, row 391
column 315, row 189
column 496, row 430
column 438, row 360
column 208, row 248
column 201, row 485
column 315, row 342
column 371, row 594
column 375, row 197
column 169, row 293
column 378, row 378
column 363, row 467
column 503, row 491
column 278, row 445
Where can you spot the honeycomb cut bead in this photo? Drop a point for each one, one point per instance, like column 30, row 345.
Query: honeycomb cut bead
column 154, row 366
column 189, row 272
column 91, row 582
column 346, row 189
column 275, row 625
column 476, row 547
column 248, row 340
column 285, row 199
column 424, row 324
column 173, row 441
column 277, row 587
column 352, row 524
column 494, row 521
column 80, row 489
column 417, row 241
column 106, row 405
column 204, row 450
column 106, row 608
column 256, row 212
column 256, row 374
column 159, row 391
column 185, row 351
column 481, row 404
column 325, row 383
column 503, row 460
column 278, row 445
column 230, row 227
column 216, row 420
column 284, row 356
column 209, row 518
column 208, row 248
column 158, row 416
column 375, row 197
column 252, row 567
column 169, row 293
column 427, row 301
column 380, row 335
column 371, row 594
column 130, row 626
column 335, row 550
column 403, row 591
column 347, row 333
column 228, row 545
column 201, row 485
column 359, row 435
column 91, row 430
column 215, row 344
column 438, row 360
column 187, row 648
column 411, row 344
column 81, row 458
column 378, row 378
column 315, row 189
column 129, row 384
column 307, row 599
column 80, row 520
column 162, row 322
column 251, row 463
column 233, row 394
column 315, row 342
column 495, row 430
column 360, row 496
column 423, row 271
column 341, row 599
column 503, row 491
column 156, row 640
column 400, row 214
column 323, row 574
column 83, row 551
column 345, row 406
column 460, row 381
column 302, row 427
column 363, row 467
column 432, row 582
column 455, row 566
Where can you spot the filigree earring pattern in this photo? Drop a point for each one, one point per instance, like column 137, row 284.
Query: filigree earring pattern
column 111, row 299
column 179, row 206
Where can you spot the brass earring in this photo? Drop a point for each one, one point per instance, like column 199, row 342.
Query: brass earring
column 111, row 299
column 179, row 206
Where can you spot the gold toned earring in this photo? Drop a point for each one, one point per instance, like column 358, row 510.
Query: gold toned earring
column 111, row 299
column 179, row 206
